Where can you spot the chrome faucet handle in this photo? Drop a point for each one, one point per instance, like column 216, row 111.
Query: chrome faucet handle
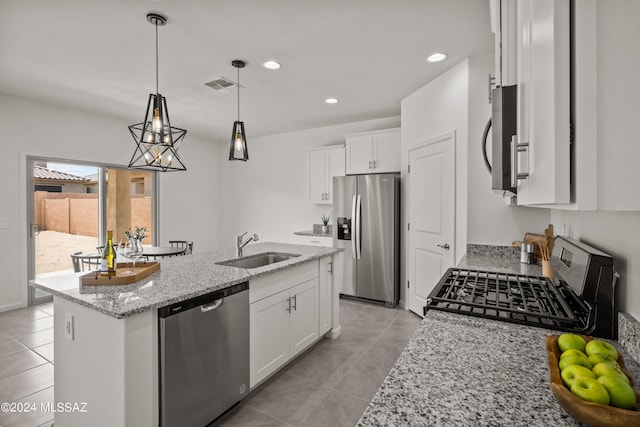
column 255, row 237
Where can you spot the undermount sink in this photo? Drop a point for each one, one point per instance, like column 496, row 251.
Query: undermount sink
column 258, row 260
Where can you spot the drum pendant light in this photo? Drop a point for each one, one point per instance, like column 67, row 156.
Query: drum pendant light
column 238, row 149
column 157, row 142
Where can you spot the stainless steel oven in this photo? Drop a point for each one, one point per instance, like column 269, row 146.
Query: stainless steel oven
column 581, row 297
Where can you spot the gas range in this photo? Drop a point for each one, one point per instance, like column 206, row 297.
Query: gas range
column 579, row 299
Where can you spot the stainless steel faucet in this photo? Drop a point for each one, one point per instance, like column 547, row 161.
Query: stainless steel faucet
column 240, row 244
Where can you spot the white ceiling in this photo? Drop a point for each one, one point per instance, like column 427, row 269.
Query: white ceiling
column 370, row 54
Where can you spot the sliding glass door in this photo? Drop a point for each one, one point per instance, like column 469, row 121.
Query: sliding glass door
column 72, row 206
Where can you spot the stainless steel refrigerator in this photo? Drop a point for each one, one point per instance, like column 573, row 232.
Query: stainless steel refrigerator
column 366, row 212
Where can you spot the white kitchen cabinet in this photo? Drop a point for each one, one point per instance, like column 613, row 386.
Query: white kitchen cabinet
column 373, row 152
column 314, row 240
column 503, row 25
column 543, row 77
column 269, row 332
column 284, row 309
column 322, row 165
column 303, row 316
column 325, row 294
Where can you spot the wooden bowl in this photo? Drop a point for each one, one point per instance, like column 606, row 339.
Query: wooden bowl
column 590, row 413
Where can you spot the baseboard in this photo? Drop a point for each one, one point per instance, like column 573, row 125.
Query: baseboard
column 10, row 307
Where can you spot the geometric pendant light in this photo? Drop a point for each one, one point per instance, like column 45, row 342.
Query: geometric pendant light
column 157, row 142
column 238, row 149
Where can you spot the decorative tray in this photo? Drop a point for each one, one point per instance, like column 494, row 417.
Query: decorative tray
column 142, row 270
column 589, row 413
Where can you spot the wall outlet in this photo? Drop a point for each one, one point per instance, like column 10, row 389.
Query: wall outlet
column 68, row 326
column 4, row 223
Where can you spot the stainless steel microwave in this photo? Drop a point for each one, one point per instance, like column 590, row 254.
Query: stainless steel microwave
column 504, row 126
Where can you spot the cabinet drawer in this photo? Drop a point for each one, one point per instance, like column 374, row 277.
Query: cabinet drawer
column 264, row 286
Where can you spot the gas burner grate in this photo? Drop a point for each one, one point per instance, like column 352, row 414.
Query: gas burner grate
column 530, row 300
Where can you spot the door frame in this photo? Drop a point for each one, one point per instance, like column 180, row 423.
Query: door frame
column 409, row 241
column 28, row 293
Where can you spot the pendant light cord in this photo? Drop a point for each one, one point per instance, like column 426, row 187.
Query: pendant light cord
column 156, row 57
column 238, row 93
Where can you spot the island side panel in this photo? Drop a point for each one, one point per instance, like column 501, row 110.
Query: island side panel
column 109, row 365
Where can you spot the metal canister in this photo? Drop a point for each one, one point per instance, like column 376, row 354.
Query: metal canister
column 527, row 253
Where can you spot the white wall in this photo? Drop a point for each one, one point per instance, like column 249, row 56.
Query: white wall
column 267, row 194
column 38, row 129
column 615, row 233
column 490, row 220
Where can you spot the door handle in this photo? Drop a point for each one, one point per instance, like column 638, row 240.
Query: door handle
column 358, row 227
column 295, row 302
column 354, row 233
column 446, row 246
column 211, row 306
column 288, row 305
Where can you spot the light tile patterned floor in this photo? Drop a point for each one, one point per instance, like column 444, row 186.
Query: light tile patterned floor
column 329, row 385
column 332, row 384
column 26, row 365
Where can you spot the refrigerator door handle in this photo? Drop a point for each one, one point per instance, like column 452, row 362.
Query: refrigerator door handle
column 354, row 233
column 358, row 228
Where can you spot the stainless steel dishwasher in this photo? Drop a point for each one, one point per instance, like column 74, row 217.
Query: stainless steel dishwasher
column 203, row 356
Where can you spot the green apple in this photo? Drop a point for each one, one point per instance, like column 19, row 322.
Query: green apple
column 620, row 392
column 573, row 352
column 572, row 372
column 574, row 360
column 602, row 347
column 596, row 358
column 604, row 369
column 567, row 341
column 590, row 389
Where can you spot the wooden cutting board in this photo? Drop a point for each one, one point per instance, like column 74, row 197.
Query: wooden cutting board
column 142, row 270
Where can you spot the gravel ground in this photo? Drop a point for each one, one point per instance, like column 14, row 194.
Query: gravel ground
column 54, row 249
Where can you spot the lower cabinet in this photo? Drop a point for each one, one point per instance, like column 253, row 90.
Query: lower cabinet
column 325, row 291
column 283, row 318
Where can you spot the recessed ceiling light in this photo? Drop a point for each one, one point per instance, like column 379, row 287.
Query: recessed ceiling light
column 437, row 57
column 331, row 100
column 271, row 65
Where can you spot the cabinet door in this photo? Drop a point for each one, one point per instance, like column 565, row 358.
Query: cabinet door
column 359, row 156
column 324, row 294
column 335, row 161
column 269, row 335
column 304, row 315
column 316, row 167
column 386, row 152
column 544, row 101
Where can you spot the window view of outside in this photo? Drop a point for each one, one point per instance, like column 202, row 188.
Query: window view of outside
column 66, row 210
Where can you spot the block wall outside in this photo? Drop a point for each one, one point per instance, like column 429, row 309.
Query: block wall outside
column 77, row 213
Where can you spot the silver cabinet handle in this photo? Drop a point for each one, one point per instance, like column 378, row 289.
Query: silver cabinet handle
column 516, row 148
column 295, row 302
column 288, row 305
column 375, row 164
column 330, row 267
column 370, row 165
column 446, row 246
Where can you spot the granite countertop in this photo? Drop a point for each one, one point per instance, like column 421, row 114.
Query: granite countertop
column 313, row 233
column 461, row 370
column 179, row 278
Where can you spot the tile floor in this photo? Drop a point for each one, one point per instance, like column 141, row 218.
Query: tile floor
column 26, row 364
column 329, row 385
column 332, row 383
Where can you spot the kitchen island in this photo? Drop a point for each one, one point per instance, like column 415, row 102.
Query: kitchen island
column 106, row 337
column 460, row 370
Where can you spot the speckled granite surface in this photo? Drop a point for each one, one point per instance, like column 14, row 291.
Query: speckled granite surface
column 314, row 233
column 179, row 278
column 629, row 334
column 466, row 371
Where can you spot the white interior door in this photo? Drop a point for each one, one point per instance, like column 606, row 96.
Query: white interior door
column 431, row 188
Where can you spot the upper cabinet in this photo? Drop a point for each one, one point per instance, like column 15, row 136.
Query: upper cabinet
column 542, row 145
column 373, row 152
column 322, row 165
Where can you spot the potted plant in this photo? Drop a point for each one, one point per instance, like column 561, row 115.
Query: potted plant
column 325, row 222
